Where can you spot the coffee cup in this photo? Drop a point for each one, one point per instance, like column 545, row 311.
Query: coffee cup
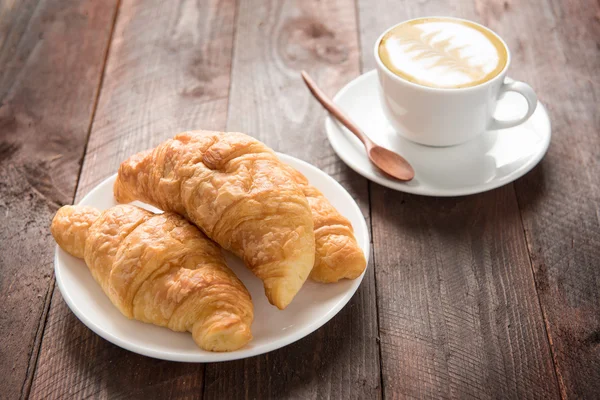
column 441, row 79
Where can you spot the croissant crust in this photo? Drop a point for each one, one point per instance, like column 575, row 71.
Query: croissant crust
column 235, row 189
column 338, row 255
column 159, row 269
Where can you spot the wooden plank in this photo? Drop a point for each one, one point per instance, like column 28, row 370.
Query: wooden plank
column 560, row 200
column 458, row 309
column 459, row 316
column 168, row 70
column 51, row 59
column 273, row 42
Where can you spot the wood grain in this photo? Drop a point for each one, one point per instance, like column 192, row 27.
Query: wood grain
column 459, row 313
column 560, row 200
column 487, row 296
column 168, row 70
column 274, row 41
column 459, row 316
column 51, row 58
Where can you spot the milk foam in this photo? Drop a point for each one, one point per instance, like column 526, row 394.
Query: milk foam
column 443, row 53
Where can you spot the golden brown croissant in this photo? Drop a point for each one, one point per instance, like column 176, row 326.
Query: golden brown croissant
column 160, row 269
column 234, row 188
column 337, row 253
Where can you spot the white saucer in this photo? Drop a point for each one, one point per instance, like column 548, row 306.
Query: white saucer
column 312, row 307
column 493, row 159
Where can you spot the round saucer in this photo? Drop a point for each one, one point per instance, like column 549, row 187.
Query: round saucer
column 493, row 159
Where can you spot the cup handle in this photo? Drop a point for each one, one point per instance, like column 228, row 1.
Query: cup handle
column 524, row 90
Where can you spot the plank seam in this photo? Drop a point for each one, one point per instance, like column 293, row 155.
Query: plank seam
column 378, row 339
column 233, row 40
column 37, row 344
column 37, row 347
column 557, row 375
column 358, row 42
column 369, row 185
column 95, row 106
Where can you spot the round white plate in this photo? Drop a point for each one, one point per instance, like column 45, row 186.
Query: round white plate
column 312, row 307
column 493, row 159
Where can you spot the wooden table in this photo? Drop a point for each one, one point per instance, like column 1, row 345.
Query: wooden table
column 495, row 295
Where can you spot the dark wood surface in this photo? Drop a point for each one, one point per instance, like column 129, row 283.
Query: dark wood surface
column 494, row 295
column 560, row 200
column 51, row 60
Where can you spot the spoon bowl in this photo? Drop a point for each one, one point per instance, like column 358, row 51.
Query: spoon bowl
column 391, row 163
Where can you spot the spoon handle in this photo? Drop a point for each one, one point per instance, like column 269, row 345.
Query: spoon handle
column 334, row 109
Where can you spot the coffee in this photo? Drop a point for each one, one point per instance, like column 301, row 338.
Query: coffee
column 443, row 52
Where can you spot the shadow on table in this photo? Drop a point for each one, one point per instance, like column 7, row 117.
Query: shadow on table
column 76, row 362
column 395, row 213
column 533, row 187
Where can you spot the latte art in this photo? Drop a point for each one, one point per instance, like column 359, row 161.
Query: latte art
column 443, row 52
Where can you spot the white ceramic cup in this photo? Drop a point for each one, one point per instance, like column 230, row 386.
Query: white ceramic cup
column 447, row 117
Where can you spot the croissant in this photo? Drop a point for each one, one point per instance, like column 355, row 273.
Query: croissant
column 337, row 253
column 159, row 269
column 234, row 188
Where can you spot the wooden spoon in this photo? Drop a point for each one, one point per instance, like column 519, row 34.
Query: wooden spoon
column 391, row 163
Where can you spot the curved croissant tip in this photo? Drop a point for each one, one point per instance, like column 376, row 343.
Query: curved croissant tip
column 346, row 262
column 228, row 334
column 282, row 294
column 70, row 228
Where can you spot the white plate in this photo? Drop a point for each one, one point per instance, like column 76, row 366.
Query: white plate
column 312, row 307
column 493, row 159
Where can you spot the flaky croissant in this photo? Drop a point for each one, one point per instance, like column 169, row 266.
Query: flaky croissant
column 160, row 269
column 234, row 188
column 338, row 255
